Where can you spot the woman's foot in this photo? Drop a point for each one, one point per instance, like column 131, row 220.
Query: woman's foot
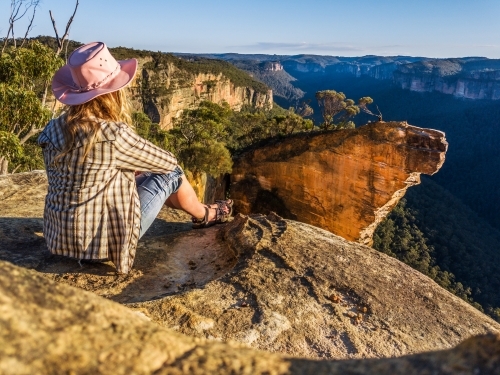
column 229, row 204
column 216, row 213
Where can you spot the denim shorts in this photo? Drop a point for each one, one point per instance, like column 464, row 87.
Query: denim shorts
column 153, row 190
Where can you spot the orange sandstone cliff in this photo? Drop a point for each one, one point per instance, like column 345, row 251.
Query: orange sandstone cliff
column 164, row 90
column 343, row 181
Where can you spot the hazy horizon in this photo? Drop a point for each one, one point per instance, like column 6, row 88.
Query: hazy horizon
column 315, row 54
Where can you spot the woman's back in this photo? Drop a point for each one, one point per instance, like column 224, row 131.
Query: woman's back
column 91, row 208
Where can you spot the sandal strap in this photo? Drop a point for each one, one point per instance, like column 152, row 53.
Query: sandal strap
column 204, row 219
column 228, row 203
column 222, row 211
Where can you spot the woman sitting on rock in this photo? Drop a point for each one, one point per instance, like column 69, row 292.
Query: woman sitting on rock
column 96, row 206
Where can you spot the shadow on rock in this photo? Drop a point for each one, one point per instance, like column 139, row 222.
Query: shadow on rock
column 170, row 259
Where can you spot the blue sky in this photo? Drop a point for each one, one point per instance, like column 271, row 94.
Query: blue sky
column 438, row 28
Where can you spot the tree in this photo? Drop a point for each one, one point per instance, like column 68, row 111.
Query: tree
column 60, row 41
column 304, row 109
column 246, row 128
column 288, row 124
column 198, row 139
column 24, row 76
column 337, row 111
column 251, row 126
column 9, row 147
column 151, row 131
column 18, row 9
column 362, row 104
column 142, row 124
column 207, row 122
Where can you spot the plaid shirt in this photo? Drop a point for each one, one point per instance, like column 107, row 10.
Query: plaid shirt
column 92, row 208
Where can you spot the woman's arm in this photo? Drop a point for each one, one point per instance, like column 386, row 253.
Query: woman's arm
column 136, row 153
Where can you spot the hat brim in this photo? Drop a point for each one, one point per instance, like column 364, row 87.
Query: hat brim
column 62, row 84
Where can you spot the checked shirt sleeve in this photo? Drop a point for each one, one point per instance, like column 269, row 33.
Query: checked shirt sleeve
column 136, row 153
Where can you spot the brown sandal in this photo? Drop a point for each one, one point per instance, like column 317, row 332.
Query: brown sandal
column 228, row 203
column 222, row 213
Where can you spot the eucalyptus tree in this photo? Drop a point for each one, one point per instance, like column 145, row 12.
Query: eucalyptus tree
column 336, row 110
column 25, row 73
column 19, row 9
column 26, row 69
column 362, row 104
column 199, row 138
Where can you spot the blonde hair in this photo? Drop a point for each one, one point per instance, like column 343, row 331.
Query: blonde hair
column 87, row 117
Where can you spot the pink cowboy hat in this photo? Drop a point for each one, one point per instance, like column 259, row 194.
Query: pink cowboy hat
column 91, row 71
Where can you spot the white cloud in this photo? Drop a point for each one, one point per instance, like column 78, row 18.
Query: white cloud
column 331, row 48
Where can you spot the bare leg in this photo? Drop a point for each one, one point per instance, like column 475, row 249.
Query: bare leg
column 185, row 199
column 172, row 203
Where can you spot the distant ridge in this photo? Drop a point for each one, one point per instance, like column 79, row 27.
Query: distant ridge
column 466, row 77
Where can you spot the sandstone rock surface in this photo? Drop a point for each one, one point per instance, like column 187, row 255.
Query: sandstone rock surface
column 343, row 181
column 299, row 290
column 49, row 328
column 266, row 282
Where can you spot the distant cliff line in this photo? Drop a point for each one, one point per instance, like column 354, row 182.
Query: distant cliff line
column 468, row 77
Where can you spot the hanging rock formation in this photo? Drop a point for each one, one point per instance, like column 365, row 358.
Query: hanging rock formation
column 343, row 181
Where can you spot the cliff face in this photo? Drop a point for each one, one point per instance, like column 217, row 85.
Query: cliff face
column 379, row 70
column 303, row 67
column 343, row 181
column 166, row 92
column 463, row 78
column 272, row 66
column 384, row 71
column 378, row 67
column 469, row 85
column 273, row 74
